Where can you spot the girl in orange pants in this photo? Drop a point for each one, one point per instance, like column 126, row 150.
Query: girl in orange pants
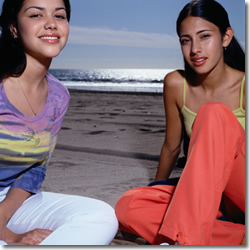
column 212, row 184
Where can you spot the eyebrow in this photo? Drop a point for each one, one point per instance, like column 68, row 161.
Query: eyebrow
column 199, row 32
column 41, row 8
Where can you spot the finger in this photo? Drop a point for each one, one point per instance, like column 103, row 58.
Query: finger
column 45, row 232
column 41, row 234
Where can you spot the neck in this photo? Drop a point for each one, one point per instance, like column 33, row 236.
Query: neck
column 213, row 79
column 35, row 72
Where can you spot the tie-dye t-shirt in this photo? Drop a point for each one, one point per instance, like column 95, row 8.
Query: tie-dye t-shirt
column 26, row 143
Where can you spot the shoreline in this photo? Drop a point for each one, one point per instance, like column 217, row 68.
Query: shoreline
column 76, row 90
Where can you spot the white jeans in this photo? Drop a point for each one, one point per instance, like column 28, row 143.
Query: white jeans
column 74, row 220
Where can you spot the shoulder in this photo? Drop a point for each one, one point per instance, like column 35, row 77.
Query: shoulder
column 58, row 97
column 236, row 79
column 235, row 75
column 57, row 88
column 58, row 101
column 241, row 84
column 173, row 86
column 174, row 80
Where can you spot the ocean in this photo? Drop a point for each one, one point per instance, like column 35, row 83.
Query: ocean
column 117, row 80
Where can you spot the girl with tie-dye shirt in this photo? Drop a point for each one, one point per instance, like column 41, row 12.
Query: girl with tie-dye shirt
column 32, row 107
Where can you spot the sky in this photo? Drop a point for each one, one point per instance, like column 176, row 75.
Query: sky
column 131, row 33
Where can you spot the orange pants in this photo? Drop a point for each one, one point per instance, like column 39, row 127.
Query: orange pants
column 188, row 212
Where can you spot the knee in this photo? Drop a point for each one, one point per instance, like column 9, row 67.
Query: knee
column 105, row 214
column 214, row 108
column 105, row 211
column 91, row 210
column 215, row 113
column 95, row 206
column 80, row 208
column 127, row 206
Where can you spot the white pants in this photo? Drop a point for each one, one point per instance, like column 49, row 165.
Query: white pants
column 74, row 220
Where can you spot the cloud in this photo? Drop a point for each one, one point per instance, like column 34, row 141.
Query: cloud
column 122, row 38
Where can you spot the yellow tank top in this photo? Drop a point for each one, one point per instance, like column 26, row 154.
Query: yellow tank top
column 189, row 116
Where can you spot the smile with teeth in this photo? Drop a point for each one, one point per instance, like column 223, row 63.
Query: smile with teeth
column 200, row 60
column 49, row 37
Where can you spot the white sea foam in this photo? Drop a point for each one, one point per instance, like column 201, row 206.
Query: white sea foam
column 128, row 80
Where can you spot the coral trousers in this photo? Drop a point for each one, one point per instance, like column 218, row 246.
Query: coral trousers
column 212, row 184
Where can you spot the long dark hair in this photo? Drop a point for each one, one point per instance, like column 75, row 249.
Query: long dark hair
column 12, row 55
column 212, row 11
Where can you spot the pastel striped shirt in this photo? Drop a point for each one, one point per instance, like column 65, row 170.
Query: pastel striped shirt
column 26, row 143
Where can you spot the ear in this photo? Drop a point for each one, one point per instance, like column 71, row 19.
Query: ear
column 13, row 30
column 227, row 38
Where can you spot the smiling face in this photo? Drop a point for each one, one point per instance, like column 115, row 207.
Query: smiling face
column 43, row 28
column 202, row 44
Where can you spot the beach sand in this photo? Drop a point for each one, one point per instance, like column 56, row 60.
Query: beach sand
column 109, row 143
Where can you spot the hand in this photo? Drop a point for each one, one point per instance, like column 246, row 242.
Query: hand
column 34, row 237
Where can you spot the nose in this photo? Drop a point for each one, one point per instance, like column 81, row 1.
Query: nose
column 196, row 47
column 50, row 23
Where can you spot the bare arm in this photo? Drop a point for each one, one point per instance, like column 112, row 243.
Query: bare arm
column 171, row 146
column 8, row 207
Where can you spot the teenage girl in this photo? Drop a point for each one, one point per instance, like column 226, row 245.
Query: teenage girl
column 33, row 104
column 207, row 99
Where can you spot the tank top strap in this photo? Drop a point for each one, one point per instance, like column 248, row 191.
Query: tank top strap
column 241, row 92
column 184, row 91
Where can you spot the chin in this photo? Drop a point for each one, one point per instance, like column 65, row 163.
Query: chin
column 52, row 54
column 52, row 51
column 200, row 71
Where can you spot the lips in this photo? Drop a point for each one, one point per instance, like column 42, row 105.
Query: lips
column 198, row 61
column 50, row 38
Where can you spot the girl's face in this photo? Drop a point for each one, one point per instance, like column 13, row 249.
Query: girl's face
column 43, row 28
column 202, row 44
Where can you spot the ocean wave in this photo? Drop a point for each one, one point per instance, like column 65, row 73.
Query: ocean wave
column 139, row 80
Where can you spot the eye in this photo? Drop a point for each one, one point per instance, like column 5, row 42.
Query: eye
column 184, row 41
column 62, row 17
column 35, row 16
column 205, row 36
